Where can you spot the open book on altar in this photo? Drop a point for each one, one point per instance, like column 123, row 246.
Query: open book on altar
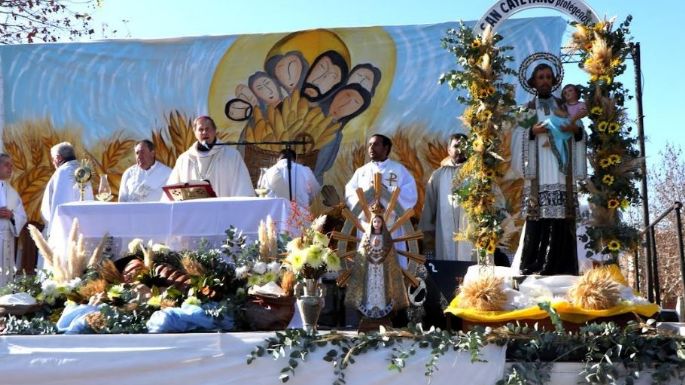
column 194, row 189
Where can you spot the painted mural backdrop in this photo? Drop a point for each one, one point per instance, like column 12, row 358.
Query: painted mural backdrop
column 331, row 87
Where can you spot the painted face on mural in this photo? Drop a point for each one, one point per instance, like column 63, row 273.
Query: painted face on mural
column 204, row 131
column 345, row 103
column 265, row 88
column 145, row 157
column 326, row 74
column 364, row 77
column 244, row 93
column 238, row 110
column 288, row 71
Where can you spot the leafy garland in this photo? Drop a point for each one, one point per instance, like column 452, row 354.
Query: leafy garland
column 609, row 353
column 611, row 148
column 489, row 103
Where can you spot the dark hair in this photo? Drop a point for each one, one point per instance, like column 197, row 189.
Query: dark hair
column 338, row 60
column 148, row 143
column 270, row 66
column 376, row 75
column 457, row 137
column 540, row 67
column 386, row 141
column 204, row 117
column 287, row 153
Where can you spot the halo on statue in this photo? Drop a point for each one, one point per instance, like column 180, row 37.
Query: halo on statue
column 535, row 58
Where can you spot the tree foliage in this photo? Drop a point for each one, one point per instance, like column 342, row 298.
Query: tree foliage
column 33, row 21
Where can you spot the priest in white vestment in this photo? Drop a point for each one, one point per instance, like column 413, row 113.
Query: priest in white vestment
column 62, row 186
column 304, row 185
column 548, row 240
column 393, row 174
column 12, row 220
column 442, row 217
column 208, row 160
column 143, row 181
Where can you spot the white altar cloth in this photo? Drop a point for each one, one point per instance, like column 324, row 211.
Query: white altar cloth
column 212, row 358
column 179, row 225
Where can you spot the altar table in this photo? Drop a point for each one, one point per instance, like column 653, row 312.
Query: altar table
column 179, row 225
column 213, row 358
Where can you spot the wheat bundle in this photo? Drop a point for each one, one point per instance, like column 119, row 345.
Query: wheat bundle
column 486, row 293
column 595, row 290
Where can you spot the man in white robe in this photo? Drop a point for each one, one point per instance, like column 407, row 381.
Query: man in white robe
column 305, row 187
column 143, row 181
column 221, row 165
column 442, row 217
column 62, row 186
column 548, row 241
column 393, row 174
column 12, row 220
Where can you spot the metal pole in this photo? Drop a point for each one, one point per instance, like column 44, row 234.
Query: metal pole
column 636, row 261
column 679, row 231
column 655, row 267
column 635, row 53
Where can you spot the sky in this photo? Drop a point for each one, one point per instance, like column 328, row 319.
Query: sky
column 655, row 26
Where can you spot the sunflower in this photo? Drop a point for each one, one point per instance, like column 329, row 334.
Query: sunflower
column 596, row 110
column 613, row 203
column 614, row 127
column 491, row 247
column 614, row 245
column 489, row 174
column 486, row 115
column 602, row 126
column 615, row 158
column 625, row 203
column 608, row 180
column 475, row 43
column 606, row 79
column 604, row 163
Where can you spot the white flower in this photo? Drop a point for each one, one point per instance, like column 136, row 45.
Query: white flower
column 160, row 248
column 241, row 271
column 320, row 239
column 294, row 245
column 313, row 254
column 317, row 224
column 259, row 268
column 135, row 245
column 297, row 260
column 331, row 259
column 274, row 267
column 74, row 283
column 48, row 287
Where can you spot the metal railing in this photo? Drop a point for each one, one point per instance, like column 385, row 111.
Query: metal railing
column 653, row 287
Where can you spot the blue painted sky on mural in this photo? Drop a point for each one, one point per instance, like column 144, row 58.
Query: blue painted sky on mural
column 655, row 26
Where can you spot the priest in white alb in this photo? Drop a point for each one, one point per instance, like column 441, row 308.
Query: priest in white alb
column 210, row 161
column 143, row 181
column 301, row 183
column 12, row 220
column 442, row 217
column 62, row 186
column 394, row 175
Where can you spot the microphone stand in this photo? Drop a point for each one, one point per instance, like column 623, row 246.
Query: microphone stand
column 287, row 143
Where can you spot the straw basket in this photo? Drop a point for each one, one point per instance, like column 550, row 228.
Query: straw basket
column 256, row 158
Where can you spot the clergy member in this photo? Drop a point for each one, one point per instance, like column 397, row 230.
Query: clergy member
column 442, row 216
column 207, row 160
column 143, row 181
column 548, row 242
column 393, row 174
column 12, row 220
column 62, row 186
column 305, row 187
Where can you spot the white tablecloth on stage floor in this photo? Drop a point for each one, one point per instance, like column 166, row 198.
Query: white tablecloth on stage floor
column 179, row 225
column 206, row 359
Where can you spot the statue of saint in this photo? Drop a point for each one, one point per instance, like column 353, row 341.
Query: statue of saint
column 376, row 287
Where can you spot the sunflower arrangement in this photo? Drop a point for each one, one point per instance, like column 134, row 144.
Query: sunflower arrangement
column 489, row 103
column 611, row 148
